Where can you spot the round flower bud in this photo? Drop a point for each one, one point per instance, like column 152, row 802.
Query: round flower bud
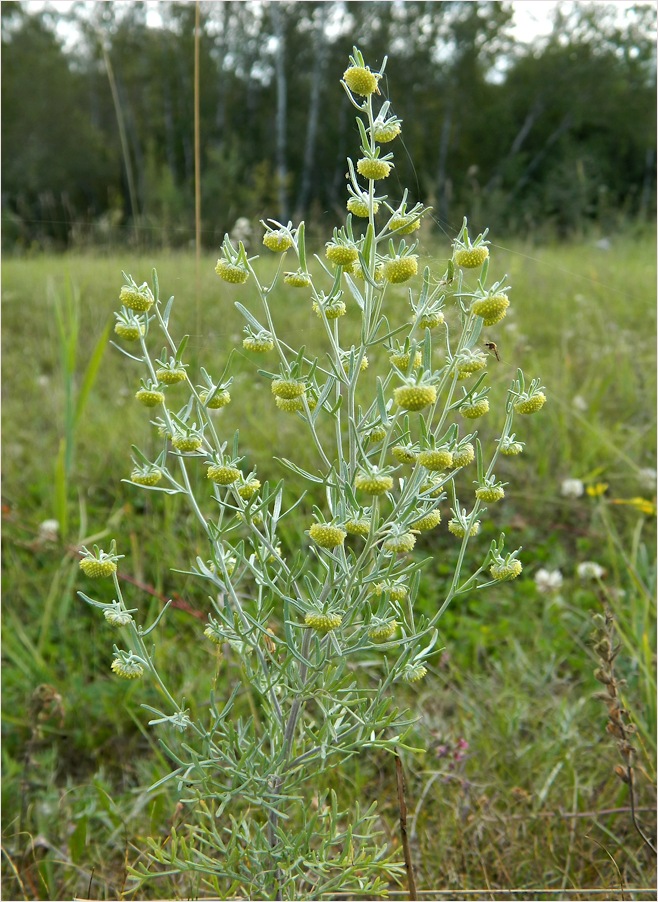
column 272, row 559
column 414, row 397
column 150, row 477
column 401, row 360
column 383, row 132
column 220, row 399
column 186, row 443
column 463, row 456
column 362, row 366
column 288, row 388
column 492, row 308
column 359, row 207
column 474, row 409
column 404, row 454
column 341, row 254
column 327, row 536
column 222, row 474
column 278, row 240
column 139, row 299
column 382, row 630
column 403, row 224
column 290, row 405
column 211, row 633
column 229, row 563
column 511, row 449
column 373, row 169
column 530, row 404
column 360, row 80
column 130, row 332
column 400, row 269
column 150, row 398
column 429, row 521
column 98, row 569
column 396, row 591
column 357, row 272
column 490, row 493
column 505, row 570
column 249, row 488
column 457, row 529
column 400, row 543
column 435, row 459
column 171, row 375
column 332, row 310
column 322, row 623
column 413, row 673
column 117, row 617
column 433, row 487
column 256, row 519
column 373, row 483
column 231, row 272
column 431, row 320
column 297, row 279
column 128, row 670
column 470, row 362
column 471, row 258
column 258, row 343
column 377, row 433
column 360, row 527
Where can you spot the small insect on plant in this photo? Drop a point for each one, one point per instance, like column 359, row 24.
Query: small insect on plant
column 493, row 347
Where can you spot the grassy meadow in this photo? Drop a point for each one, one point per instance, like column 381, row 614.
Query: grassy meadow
column 517, row 787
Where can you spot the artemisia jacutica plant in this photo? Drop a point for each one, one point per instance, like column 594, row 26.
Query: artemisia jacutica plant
column 321, row 631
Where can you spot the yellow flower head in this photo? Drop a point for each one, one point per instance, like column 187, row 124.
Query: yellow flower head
column 642, row 505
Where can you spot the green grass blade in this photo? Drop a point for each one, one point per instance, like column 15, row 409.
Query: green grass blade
column 91, row 372
column 61, row 489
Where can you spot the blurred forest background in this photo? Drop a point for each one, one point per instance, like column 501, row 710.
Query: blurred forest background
column 553, row 138
column 552, row 145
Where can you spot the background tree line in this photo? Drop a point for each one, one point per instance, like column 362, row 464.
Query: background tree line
column 98, row 139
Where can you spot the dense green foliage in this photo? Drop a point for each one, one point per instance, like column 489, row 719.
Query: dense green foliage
column 555, row 137
column 533, row 801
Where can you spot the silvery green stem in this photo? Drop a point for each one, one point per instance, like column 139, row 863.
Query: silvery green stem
column 146, row 655
column 288, row 737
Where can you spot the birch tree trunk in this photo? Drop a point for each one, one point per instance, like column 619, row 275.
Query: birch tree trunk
column 221, row 12
column 281, row 113
column 442, row 185
column 517, row 143
column 319, row 66
column 564, row 126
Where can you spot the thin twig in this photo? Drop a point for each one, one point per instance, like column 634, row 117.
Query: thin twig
column 411, row 882
column 631, row 798
column 533, row 815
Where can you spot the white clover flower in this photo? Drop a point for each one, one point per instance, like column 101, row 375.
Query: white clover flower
column 548, row 581
column 615, row 594
column 242, row 231
column 572, row 488
column 48, row 531
column 579, row 403
column 648, row 477
column 590, row 570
